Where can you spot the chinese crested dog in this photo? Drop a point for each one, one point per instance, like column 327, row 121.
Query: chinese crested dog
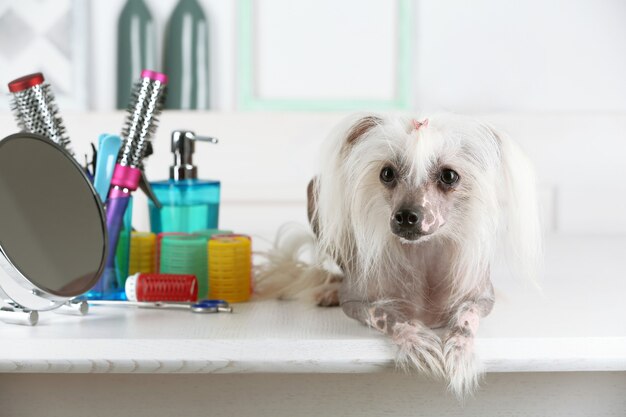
column 410, row 212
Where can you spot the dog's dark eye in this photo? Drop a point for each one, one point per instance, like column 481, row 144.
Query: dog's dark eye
column 387, row 175
column 449, row 177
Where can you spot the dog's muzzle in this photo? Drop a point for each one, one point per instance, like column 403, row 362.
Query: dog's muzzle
column 406, row 223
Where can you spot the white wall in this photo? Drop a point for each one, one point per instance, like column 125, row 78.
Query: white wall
column 489, row 55
column 483, row 55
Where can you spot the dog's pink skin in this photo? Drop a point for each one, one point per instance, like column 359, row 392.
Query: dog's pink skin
column 469, row 319
column 433, row 218
column 377, row 319
column 432, row 202
column 416, row 309
column 419, row 346
column 458, row 343
column 462, row 327
column 421, row 293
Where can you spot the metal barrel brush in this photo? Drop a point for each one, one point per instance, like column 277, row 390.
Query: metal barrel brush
column 35, row 109
column 145, row 106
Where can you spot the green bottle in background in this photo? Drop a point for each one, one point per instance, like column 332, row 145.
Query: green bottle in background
column 186, row 58
column 136, row 47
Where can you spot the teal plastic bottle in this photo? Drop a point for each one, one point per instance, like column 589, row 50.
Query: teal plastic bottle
column 136, row 47
column 188, row 203
column 186, row 57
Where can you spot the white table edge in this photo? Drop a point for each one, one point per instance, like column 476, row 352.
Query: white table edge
column 293, row 356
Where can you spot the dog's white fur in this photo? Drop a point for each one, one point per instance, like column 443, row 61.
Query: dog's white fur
column 387, row 279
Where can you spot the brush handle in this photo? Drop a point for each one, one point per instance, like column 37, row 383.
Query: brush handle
column 124, row 177
column 116, row 206
column 124, row 181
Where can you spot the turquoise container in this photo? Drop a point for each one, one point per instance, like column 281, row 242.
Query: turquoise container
column 187, row 205
column 122, row 253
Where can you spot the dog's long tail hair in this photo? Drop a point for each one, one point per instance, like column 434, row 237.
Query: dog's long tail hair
column 293, row 268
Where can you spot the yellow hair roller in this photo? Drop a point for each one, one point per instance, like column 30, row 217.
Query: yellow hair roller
column 142, row 246
column 230, row 267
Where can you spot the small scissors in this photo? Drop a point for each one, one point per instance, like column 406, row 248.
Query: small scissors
column 211, row 306
column 202, row 306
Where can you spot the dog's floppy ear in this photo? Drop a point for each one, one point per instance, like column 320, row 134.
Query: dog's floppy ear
column 521, row 208
column 362, row 126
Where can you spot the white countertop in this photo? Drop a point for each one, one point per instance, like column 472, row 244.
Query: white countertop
column 577, row 324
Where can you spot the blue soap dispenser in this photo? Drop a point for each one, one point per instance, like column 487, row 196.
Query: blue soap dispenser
column 188, row 203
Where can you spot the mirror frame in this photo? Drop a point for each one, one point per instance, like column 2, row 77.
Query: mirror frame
column 14, row 285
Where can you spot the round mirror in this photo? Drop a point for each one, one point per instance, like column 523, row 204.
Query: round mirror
column 52, row 224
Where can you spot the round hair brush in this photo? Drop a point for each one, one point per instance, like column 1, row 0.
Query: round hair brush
column 146, row 103
column 145, row 106
column 35, row 109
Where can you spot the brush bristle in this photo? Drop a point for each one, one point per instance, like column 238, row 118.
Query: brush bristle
column 146, row 104
column 35, row 111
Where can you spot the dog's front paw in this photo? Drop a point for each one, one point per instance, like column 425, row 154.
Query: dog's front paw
column 419, row 347
column 463, row 369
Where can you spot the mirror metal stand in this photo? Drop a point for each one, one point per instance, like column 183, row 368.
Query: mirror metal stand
column 15, row 314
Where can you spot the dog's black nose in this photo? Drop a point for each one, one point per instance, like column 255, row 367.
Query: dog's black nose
column 406, row 218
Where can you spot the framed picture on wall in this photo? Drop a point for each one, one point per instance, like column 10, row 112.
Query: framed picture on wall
column 324, row 55
column 48, row 36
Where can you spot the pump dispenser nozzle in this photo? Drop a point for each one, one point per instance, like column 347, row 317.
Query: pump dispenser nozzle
column 189, row 204
column 183, row 146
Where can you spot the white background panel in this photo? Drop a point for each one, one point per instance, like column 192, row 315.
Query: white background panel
column 326, row 49
column 591, row 210
column 489, row 55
